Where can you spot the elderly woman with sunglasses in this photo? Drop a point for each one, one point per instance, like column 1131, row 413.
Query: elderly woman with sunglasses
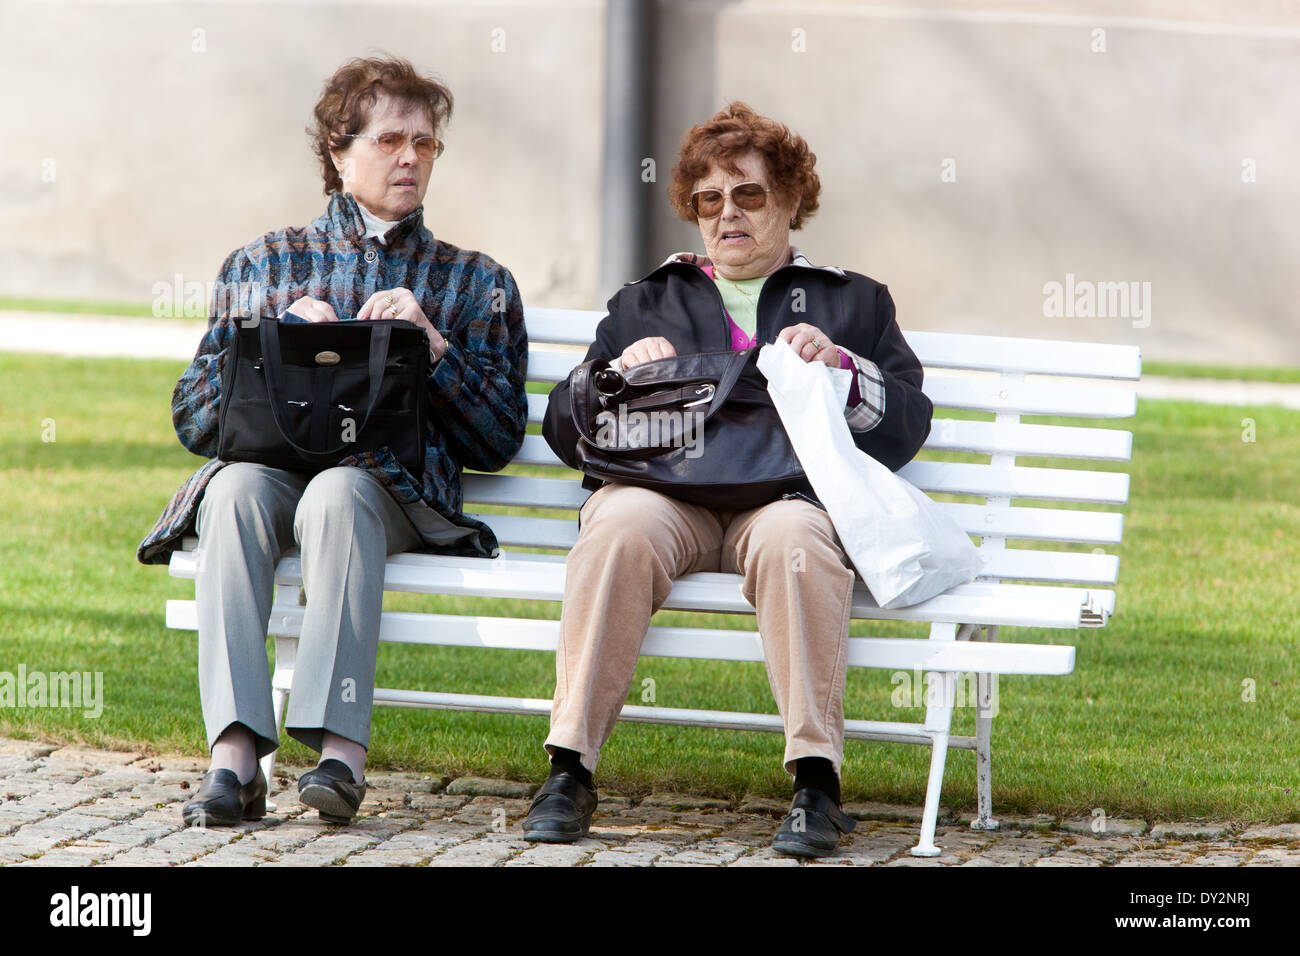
column 747, row 181
column 369, row 256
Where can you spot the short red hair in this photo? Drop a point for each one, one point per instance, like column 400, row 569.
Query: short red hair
column 737, row 130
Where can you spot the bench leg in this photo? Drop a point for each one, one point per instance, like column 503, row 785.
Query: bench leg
column 986, row 687
column 984, row 754
column 286, row 649
column 938, row 722
column 286, row 653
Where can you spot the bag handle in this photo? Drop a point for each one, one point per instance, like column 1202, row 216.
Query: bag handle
column 579, row 398
column 270, row 335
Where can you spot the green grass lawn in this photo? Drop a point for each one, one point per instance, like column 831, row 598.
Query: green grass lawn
column 1153, row 723
column 78, row 306
column 1244, row 373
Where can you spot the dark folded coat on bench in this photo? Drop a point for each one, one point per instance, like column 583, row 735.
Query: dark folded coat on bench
column 477, row 401
column 680, row 302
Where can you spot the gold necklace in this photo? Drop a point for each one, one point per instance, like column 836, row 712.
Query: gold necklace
column 736, row 285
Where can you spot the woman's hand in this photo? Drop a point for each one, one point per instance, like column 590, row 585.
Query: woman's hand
column 401, row 304
column 646, row 350
column 313, row 310
column 811, row 344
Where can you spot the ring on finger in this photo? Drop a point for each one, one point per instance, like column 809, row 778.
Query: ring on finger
column 817, row 344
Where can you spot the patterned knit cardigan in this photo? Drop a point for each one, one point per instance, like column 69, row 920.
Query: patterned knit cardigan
column 477, row 403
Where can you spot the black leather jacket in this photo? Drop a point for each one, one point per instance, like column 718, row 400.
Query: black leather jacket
column 680, row 302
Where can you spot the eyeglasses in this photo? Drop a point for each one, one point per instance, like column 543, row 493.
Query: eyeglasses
column 427, row 148
column 708, row 203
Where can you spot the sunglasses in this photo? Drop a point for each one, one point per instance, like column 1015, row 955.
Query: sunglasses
column 708, row 203
column 427, row 148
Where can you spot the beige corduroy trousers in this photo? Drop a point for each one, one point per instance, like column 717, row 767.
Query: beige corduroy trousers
column 633, row 542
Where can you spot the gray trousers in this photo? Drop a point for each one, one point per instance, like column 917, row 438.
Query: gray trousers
column 344, row 524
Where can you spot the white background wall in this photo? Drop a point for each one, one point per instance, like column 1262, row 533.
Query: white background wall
column 1122, row 165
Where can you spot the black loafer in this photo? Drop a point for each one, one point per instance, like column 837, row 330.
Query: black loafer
column 331, row 790
column 222, row 802
column 561, row 811
column 814, row 825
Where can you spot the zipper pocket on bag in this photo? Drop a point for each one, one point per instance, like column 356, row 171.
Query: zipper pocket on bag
column 696, row 393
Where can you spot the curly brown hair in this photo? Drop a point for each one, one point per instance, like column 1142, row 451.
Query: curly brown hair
column 351, row 94
column 737, row 130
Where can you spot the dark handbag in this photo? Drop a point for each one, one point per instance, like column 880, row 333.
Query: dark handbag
column 304, row 396
column 700, row 427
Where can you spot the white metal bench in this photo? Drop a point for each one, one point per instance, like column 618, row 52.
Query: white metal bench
column 1070, row 590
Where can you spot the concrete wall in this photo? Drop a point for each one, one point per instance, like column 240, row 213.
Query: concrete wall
column 970, row 153
column 172, row 147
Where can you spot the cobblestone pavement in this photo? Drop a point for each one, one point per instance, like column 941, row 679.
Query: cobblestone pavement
column 73, row 806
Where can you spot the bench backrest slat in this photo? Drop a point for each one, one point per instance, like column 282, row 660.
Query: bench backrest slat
column 562, row 326
column 1030, row 398
column 935, row 349
column 988, row 394
column 985, row 481
column 995, row 353
column 974, row 373
column 950, row 434
column 978, row 396
column 1029, row 524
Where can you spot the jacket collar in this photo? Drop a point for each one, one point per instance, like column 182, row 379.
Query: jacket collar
column 344, row 218
column 799, row 261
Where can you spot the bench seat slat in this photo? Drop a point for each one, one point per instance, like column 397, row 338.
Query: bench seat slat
column 452, row 630
column 541, row 577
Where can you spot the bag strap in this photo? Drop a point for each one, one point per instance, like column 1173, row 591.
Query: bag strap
column 580, row 400
column 270, row 335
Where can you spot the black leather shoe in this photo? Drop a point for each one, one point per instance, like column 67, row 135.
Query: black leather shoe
column 222, row 802
column 331, row 790
column 561, row 811
column 814, row 825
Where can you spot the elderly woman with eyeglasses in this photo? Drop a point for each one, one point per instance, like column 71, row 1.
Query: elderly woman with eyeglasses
column 746, row 181
column 369, row 256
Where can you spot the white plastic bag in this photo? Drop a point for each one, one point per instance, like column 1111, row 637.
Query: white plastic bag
column 904, row 546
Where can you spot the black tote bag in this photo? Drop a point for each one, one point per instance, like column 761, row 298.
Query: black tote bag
column 699, row 427
column 304, row 396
